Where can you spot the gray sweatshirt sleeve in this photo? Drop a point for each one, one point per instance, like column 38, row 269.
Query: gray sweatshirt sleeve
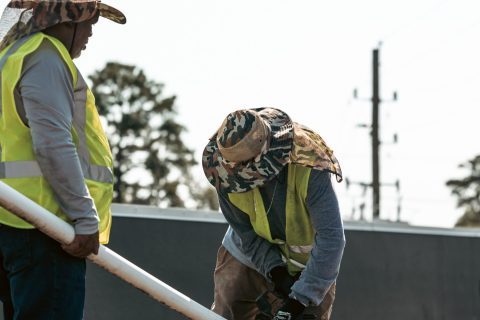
column 323, row 266
column 46, row 90
column 262, row 254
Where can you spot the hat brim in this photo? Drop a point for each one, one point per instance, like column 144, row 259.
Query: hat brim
column 234, row 177
column 111, row 13
column 45, row 14
column 310, row 150
column 106, row 11
column 290, row 142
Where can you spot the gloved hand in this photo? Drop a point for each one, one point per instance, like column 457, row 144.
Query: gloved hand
column 290, row 310
column 83, row 245
column 283, row 281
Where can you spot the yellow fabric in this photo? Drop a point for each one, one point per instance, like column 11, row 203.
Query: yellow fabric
column 299, row 230
column 251, row 203
column 16, row 142
column 97, row 141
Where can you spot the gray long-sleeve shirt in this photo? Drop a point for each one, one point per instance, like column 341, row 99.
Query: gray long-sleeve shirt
column 324, row 263
column 44, row 98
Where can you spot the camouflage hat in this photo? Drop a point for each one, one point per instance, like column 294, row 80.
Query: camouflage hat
column 253, row 145
column 23, row 17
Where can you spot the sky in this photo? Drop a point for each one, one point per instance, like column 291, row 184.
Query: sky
column 306, row 57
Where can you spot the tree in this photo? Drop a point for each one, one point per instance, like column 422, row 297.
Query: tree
column 206, row 198
column 467, row 190
column 151, row 162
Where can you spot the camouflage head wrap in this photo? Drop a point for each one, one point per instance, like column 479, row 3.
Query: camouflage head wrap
column 24, row 17
column 258, row 161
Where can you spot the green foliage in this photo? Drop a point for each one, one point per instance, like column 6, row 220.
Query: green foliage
column 467, row 191
column 151, row 162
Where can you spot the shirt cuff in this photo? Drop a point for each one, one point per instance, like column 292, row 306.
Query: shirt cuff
column 87, row 225
column 300, row 299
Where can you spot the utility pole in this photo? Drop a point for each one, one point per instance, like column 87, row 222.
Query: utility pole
column 375, row 134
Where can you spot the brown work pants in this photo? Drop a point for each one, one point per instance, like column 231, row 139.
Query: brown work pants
column 237, row 287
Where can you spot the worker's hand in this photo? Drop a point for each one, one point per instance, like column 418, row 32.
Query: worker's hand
column 83, row 245
column 283, row 281
column 290, row 310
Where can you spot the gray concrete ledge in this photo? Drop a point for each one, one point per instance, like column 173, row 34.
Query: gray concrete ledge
column 181, row 214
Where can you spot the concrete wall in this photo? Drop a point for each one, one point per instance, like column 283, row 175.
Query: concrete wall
column 387, row 275
column 179, row 253
column 387, row 272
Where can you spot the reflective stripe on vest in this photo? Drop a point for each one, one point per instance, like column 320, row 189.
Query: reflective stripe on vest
column 299, row 230
column 14, row 47
column 293, row 263
column 25, row 169
column 301, row 249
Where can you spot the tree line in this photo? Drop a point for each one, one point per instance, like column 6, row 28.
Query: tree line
column 152, row 164
column 467, row 192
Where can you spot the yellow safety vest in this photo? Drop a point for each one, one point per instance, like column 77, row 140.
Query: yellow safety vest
column 18, row 166
column 299, row 230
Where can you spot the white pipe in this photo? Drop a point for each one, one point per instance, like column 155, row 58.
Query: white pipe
column 61, row 231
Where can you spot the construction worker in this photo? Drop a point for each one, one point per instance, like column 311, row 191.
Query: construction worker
column 285, row 232
column 54, row 151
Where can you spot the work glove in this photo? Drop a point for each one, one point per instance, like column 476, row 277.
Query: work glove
column 291, row 310
column 83, row 245
column 282, row 280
